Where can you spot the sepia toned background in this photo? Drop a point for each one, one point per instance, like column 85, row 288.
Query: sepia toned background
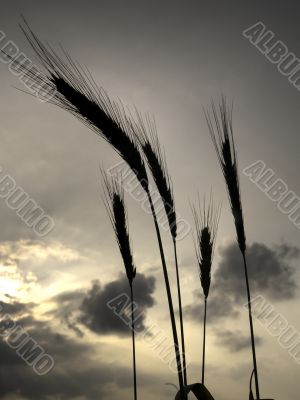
column 169, row 59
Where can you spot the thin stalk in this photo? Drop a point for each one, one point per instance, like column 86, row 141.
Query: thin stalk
column 170, row 302
column 146, row 134
column 180, row 315
column 251, row 328
column 204, row 340
column 221, row 130
column 133, row 343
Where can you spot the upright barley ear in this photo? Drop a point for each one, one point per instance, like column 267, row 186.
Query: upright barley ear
column 206, row 220
column 220, row 128
column 219, row 122
column 146, row 133
column 115, row 206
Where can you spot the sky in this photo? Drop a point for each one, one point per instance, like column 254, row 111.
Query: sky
column 169, row 59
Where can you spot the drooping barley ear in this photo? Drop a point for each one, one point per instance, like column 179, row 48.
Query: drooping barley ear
column 146, row 133
column 221, row 131
column 115, row 206
column 206, row 220
column 75, row 91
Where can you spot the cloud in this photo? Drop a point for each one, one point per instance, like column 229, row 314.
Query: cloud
column 66, row 309
column 29, row 264
column 12, row 308
column 14, row 252
column 78, row 309
column 99, row 318
column 78, row 373
column 219, row 306
column 68, row 380
column 271, row 273
column 234, row 341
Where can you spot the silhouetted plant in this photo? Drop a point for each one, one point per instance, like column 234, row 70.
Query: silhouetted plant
column 221, row 131
column 206, row 220
column 147, row 136
column 76, row 92
column 115, row 206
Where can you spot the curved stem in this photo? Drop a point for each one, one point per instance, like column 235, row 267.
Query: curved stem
column 180, row 315
column 204, row 340
column 251, row 328
column 170, row 302
column 133, row 343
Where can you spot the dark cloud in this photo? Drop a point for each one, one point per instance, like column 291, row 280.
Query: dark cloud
column 270, row 271
column 17, row 378
column 271, row 274
column 77, row 374
column 73, row 376
column 234, row 341
column 67, row 305
column 13, row 308
column 78, row 309
column 99, row 318
column 218, row 306
column 288, row 252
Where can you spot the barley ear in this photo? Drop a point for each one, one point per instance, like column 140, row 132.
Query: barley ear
column 146, row 133
column 206, row 219
column 115, row 206
column 219, row 122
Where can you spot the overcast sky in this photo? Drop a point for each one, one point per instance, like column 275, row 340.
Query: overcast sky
column 168, row 59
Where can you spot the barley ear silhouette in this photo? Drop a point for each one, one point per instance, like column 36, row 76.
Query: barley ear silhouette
column 115, row 206
column 219, row 123
column 206, row 219
column 146, row 133
column 74, row 89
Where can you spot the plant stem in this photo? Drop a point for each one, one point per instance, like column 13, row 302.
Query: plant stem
column 180, row 315
column 133, row 343
column 170, row 302
column 251, row 327
column 204, row 340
